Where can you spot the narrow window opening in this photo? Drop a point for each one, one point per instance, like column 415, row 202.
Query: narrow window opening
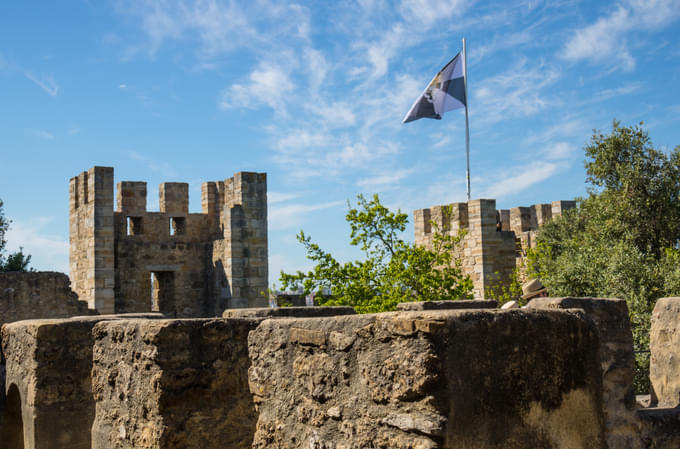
column 134, row 226
column 177, row 225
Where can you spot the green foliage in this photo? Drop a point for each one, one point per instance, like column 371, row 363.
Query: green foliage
column 17, row 261
column 393, row 270
column 621, row 241
column 504, row 292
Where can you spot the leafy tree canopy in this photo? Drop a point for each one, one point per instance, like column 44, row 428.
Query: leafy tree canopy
column 622, row 239
column 393, row 270
column 17, row 261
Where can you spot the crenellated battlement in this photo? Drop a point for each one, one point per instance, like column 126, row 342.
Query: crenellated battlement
column 496, row 240
column 193, row 264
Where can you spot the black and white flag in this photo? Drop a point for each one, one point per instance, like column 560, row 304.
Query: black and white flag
column 445, row 92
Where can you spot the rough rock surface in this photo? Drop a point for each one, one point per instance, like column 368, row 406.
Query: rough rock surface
column 172, row 384
column 660, row 428
column 301, row 312
column 48, row 382
column 664, row 344
column 33, row 295
column 618, row 362
column 444, row 305
column 440, row 379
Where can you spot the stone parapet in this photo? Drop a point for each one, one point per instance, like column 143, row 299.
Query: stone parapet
column 617, row 359
column 495, row 242
column 664, row 345
column 33, row 295
column 299, row 312
column 436, row 379
column 48, row 365
column 172, row 384
column 448, row 305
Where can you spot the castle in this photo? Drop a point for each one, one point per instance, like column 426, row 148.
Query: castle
column 434, row 375
column 178, row 263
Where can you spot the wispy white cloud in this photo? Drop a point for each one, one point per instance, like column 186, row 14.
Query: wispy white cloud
column 566, row 127
column 266, row 85
column 287, row 216
column 48, row 252
column 156, row 166
column 43, row 134
column 517, row 92
column 45, row 82
column 522, row 179
column 427, row 12
column 280, row 197
column 385, row 180
column 605, row 40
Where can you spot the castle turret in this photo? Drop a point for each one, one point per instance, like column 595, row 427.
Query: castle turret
column 91, row 255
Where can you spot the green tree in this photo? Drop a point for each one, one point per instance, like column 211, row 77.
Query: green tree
column 17, row 261
column 621, row 241
column 393, row 270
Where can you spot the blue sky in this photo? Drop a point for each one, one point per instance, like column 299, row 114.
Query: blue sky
column 313, row 93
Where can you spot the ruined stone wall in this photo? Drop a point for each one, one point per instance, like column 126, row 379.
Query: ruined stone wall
column 172, row 261
column 33, row 295
column 496, row 241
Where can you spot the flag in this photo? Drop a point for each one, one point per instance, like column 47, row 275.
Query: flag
column 445, row 92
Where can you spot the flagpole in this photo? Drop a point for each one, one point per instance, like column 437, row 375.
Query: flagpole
column 467, row 126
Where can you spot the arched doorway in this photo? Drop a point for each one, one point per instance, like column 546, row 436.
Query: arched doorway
column 12, row 424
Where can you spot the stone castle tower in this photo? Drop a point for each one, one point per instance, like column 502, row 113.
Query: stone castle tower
column 172, row 261
column 496, row 240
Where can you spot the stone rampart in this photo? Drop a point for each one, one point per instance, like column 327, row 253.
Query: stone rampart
column 437, row 379
column 33, row 295
column 555, row 374
column 664, row 345
column 172, row 384
column 617, row 359
column 48, row 383
column 496, row 240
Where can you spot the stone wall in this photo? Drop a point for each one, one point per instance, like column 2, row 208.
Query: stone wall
column 496, row 240
column 436, row 379
column 664, row 345
column 172, row 384
column 32, row 295
column 617, row 359
column 175, row 262
column 48, row 383
column 485, row 378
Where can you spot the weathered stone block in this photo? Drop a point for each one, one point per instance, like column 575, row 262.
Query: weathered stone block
column 440, row 305
column 437, row 379
column 298, row 312
column 48, row 365
column 617, row 358
column 172, row 384
column 664, row 345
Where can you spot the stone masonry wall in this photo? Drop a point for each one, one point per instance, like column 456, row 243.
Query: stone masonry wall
column 664, row 345
column 172, row 261
column 430, row 379
column 617, row 360
column 32, row 295
column 172, row 384
column 495, row 241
